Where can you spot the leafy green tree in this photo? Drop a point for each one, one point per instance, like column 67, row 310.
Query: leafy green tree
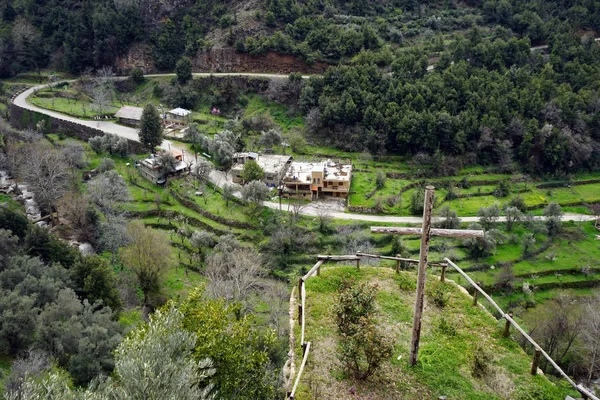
column 137, row 75
column 448, row 219
column 151, row 128
column 13, row 221
column 154, row 362
column 79, row 335
column 252, row 172
column 239, row 352
column 95, row 280
column 512, row 215
column 488, row 216
column 183, row 69
column 417, row 201
column 148, row 255
column 553, row 216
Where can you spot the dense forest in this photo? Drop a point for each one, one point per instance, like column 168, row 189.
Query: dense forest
column 74, row 35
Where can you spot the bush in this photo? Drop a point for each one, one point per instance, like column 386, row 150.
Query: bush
column 482, row 358
column 106, row 164
column 417, row 201
column 438, row 295
column 380, row 180
column 137, row 75
column 362, row 347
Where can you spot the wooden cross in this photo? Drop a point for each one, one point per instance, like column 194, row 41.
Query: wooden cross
column 425, row 232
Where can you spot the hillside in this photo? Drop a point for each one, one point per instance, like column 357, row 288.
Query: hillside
column 72, row 36
column 455, row 333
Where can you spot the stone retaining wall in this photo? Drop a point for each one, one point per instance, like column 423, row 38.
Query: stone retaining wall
column 22, row 118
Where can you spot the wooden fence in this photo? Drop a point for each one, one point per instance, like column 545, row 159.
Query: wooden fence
column 510, row 321
column 316, row 270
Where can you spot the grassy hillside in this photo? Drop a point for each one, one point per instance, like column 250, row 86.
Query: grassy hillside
column 453, row 336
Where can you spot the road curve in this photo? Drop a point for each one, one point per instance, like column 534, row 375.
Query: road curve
column 218, row 177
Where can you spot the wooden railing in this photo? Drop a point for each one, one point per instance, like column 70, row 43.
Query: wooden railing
column 316, row 270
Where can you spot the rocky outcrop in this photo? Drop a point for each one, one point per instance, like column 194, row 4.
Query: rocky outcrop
column 228, row 60
column 139, row 55
column 220, row 60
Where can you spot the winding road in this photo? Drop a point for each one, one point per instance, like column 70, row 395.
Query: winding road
column 218, row 177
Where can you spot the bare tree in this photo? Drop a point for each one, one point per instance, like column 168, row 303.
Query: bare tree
column 74, row 207
column 556, row 326
column 590, row 336
column 296, row 207
column 46, row 173
column 113, row 236
column 233, row 275
column 107, row 190
column 103, row 97
column 323, row 218
column 277, row 294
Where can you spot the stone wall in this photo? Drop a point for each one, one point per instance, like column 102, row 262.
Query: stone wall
column 22, row 118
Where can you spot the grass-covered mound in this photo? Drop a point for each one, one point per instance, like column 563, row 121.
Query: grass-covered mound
column 462, row 353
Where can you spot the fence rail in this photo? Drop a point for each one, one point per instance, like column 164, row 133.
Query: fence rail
column 316, row 270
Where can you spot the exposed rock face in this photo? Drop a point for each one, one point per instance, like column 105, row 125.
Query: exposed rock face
column 228, row 60
column 221, row 60
column 139, row 55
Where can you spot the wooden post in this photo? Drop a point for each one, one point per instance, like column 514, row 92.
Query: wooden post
column 319, row 271
column 443, row 277
column 476, row 294
column 421, row 278
column 358, row 263
column 507, row 327
column 300, row 282
column 535, row 362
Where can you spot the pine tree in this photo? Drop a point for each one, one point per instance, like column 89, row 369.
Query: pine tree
column 151, row 129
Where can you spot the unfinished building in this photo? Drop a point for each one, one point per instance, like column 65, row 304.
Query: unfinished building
column 306, row 180
column 275, row 166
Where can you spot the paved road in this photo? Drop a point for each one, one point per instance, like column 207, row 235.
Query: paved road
column 219, row 178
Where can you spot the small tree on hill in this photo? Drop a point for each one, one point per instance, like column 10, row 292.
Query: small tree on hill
column 183, row 69
column 362, row 347
column 151, row 128
column 252, row 172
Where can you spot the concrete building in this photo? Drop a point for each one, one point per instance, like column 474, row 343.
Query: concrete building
column 151, row 169
column 275, row 166
column 178, row 116
column 129, row 115
column 306, row 180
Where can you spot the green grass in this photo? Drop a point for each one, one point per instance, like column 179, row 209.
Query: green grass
column 280, row 113
column 445, row 357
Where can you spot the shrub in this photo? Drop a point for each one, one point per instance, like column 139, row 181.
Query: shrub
column 362, row 347
column 482, row 358
column 380, row 180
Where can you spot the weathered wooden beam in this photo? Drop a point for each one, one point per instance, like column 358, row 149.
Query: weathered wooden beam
column 422, row 275
column 299, row 375
column 585, row 392
column 312, row 270
column 303, row 315
column 336, row 258
column 402, row 230
column 398, row 259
